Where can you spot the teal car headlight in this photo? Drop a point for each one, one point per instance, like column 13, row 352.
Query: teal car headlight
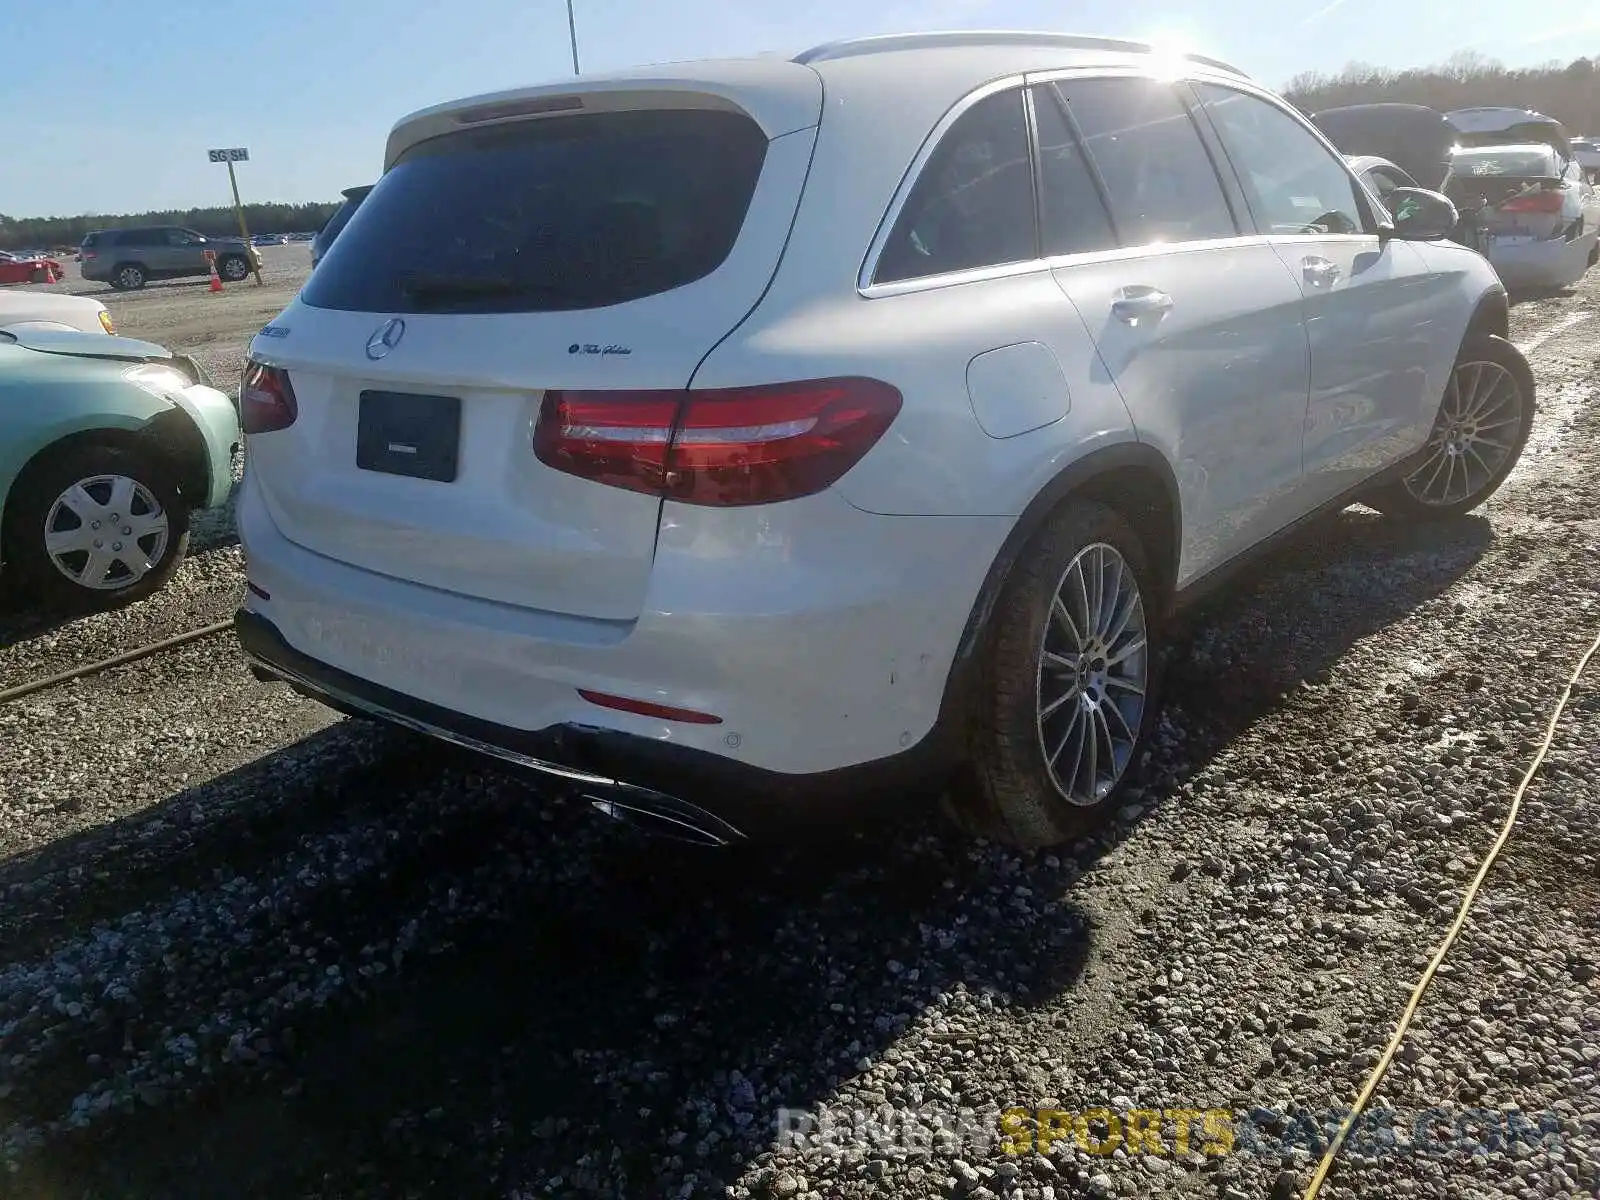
column 157, row 379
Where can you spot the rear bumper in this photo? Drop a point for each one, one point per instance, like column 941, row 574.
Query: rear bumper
column 827, row 648
column 1552, row 263
column 721, row 800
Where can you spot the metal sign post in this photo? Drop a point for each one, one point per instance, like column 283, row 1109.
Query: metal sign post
column 572, row 34
column 231, row 156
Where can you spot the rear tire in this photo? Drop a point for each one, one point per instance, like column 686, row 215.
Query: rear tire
column 1064, row 699
column 120, row 560
column 128, row 277
column 233, row 267
column 1477, row 438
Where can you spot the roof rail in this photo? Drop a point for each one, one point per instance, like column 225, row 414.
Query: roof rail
column 883, row 43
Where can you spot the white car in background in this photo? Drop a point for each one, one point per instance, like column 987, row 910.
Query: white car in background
column 1539, row 212
column 29, row 309
column 1587, row 151
column 811, row 451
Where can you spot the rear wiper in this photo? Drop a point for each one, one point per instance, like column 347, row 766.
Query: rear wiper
column 445, row 288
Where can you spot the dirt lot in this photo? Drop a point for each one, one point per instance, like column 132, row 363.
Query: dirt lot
column 247, row 948
column 214, row 329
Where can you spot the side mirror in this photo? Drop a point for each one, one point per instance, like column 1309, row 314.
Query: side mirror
column 1421, row 215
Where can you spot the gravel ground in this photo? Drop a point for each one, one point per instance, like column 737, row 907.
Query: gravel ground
column 247, row 947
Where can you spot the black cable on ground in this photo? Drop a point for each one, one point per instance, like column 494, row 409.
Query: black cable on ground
column 116, row 660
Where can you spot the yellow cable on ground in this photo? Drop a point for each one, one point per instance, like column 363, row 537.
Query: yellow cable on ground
column 1378, row 1072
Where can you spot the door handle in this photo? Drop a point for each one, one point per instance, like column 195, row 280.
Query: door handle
column 1319, row 272
column 1132, row 303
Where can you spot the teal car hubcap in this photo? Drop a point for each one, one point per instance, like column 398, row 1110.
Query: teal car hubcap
column 106, row 532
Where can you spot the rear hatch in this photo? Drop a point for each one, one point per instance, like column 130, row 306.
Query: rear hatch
column 1516, row 191
column 605, row 250
column 1416, row 139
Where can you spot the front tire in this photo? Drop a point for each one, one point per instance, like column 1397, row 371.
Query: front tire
column 1484, row 420
column 1064, row 699
column 95, row 527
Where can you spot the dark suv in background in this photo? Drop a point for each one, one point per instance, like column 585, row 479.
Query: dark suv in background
column 129, row 258
column 341, row 217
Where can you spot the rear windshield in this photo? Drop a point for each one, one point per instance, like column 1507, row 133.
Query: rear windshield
column 551, row 215
column 1524, row 163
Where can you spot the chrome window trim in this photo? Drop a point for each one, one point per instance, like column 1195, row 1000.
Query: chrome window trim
column 867, row 289
column 1056, row 262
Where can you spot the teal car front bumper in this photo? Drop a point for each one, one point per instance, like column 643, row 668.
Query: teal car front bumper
column 217, row 420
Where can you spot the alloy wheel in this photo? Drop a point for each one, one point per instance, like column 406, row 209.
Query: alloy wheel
column 1473, row 436
column 1094, row 669
column 106, row 533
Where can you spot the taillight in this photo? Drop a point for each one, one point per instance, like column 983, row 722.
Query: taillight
column 1534, row 202
column 266, row 399
column 728, row 446
column 88, row 254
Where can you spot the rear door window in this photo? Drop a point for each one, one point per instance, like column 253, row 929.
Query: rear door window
column 556, row 214
column 1157, row 172
column 1072, row 214
column 973, row 204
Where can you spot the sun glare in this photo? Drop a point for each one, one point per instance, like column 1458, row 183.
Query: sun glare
column 1169, row 50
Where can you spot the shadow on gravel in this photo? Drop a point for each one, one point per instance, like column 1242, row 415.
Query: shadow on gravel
column 608, row 989
column 20, row 623
column 1292, row 618
column 1532, row 295
column 621, row 1012
column 227, row 825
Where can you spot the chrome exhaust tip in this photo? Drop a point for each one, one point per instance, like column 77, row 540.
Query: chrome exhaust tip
column 665, row 817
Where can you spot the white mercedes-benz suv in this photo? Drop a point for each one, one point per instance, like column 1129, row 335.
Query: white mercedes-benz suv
column 730, row 440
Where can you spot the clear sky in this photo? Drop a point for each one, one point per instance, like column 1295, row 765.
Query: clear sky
column 116, row 109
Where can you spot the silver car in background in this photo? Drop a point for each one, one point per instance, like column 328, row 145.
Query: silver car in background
column 1537, row 207
column 1587, row 151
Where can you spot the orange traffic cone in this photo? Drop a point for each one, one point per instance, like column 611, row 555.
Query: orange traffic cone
column 216, row 280
column 50, row 275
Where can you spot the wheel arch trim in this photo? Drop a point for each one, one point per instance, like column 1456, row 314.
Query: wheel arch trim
column 123, row 434
column 1491, row 314
column 1077, row 478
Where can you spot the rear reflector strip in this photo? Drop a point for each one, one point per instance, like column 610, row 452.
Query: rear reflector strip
column 644, row 708
column 256, row 589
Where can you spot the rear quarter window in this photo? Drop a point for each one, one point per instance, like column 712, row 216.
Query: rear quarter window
column 558, row 214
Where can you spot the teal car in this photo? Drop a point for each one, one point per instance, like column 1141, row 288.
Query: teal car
column 107, row 445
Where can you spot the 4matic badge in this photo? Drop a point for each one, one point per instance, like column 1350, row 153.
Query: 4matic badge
column 592, row 348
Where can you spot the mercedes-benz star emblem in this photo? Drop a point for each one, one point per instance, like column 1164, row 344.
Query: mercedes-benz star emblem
column 387, row 338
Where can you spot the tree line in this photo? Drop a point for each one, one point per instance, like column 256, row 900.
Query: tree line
column 1568, row 92
column 34, row 233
